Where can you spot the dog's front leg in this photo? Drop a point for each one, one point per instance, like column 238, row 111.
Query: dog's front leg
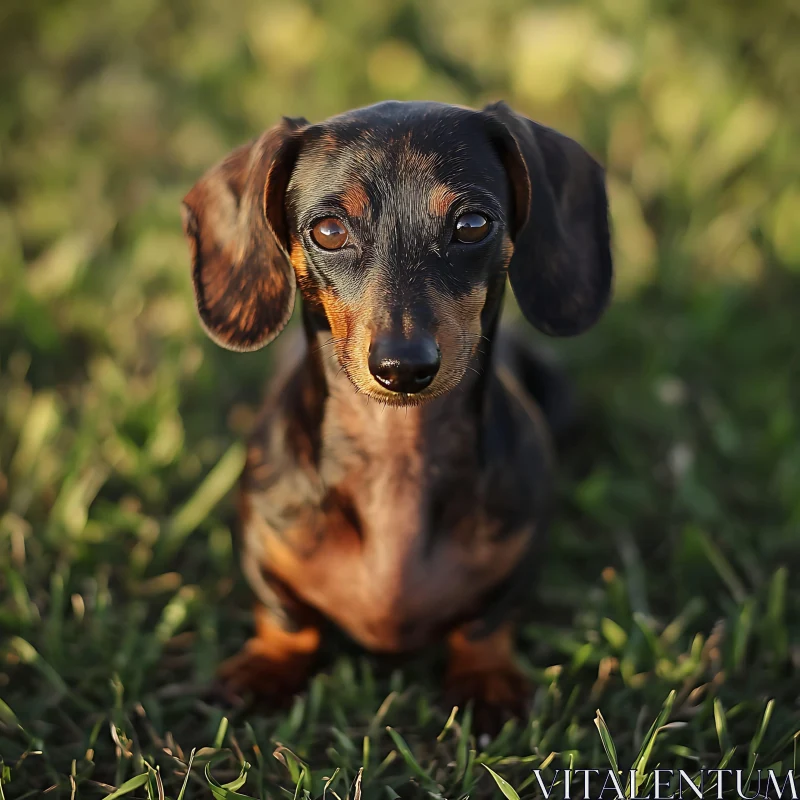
column 275, row 664
column 481, row 669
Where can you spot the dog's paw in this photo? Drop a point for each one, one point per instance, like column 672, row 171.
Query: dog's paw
column 253, row 672
column 497, row 695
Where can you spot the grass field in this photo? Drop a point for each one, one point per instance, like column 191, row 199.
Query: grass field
column 669, row 591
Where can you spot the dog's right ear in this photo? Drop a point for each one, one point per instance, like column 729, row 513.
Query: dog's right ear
column 235, row 222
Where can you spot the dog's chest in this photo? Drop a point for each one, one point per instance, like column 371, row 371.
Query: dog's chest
column 400, row 545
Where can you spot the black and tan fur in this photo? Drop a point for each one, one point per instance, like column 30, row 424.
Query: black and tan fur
column 405, row 518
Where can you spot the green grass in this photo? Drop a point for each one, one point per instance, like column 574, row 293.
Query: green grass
column 667, row 626
column 668, row 581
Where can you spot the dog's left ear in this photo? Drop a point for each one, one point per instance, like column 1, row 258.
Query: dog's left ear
column 561, row 267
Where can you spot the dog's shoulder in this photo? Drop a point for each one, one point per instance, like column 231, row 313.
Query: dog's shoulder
column 526, row 393
column 283, row 446
column 528, row 368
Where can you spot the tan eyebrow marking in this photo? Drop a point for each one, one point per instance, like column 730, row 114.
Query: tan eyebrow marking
column 328, row 142
column 298, row 259
column 355, row 199
column 440, row 199
column 508, row 250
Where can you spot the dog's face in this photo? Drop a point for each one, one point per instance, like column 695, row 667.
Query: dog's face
column 399, row 223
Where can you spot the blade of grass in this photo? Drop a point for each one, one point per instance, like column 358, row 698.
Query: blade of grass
column 608, row 742
column 219, row 739
column 408, row 757
column 505, row 787
column 227, row 791
column 219, row 481
column 188, row 774
column 721, row 724
column 755, row 744
column 129, row 786
column 640, row 763
column 721, row 564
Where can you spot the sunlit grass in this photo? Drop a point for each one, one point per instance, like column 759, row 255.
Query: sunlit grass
column 667, row 627
column 668, row 576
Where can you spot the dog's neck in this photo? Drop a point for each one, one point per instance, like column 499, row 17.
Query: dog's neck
column 392, row 461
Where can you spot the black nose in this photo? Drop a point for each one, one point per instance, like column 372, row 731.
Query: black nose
column 404, row 365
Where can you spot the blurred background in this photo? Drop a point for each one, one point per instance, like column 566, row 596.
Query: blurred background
column 121, row 425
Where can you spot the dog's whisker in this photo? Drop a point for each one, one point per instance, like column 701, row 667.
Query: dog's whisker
column 331, row 341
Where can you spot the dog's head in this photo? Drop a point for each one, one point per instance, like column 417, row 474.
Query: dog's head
column 399, row 223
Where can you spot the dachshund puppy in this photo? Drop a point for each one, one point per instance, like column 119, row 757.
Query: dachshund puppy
column 398, row 482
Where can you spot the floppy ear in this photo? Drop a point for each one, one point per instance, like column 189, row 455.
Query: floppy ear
column 235, row 222
column 561, row 267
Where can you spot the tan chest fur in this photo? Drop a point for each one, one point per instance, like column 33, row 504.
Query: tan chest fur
column 368, row 557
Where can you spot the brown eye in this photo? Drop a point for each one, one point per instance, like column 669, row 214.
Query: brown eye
column 329, row 233
column 471, row 228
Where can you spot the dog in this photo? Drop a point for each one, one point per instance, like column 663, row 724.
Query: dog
column 399, row 480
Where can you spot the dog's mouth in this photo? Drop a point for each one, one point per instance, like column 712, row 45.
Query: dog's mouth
column 417, row 384
column 412, row 390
